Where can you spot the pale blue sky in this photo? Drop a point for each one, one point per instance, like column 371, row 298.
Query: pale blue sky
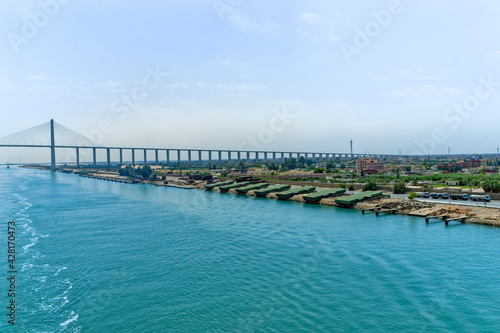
column 232, row 64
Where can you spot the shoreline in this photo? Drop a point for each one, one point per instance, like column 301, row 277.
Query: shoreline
column 489, row 216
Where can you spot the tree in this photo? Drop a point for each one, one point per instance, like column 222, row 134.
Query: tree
column 370, row 186
column 491, row 185
column 412, row 195
column 351, row 187
column 145, row 172
column 400, row 187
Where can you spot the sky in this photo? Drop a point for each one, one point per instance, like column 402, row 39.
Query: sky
column 416, row 76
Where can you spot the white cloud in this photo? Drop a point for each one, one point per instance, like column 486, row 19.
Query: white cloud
column 310, row 18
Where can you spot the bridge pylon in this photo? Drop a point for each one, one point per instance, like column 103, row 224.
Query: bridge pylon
column 52, row 147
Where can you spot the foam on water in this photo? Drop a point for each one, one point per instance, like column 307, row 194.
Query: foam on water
column 46, row 293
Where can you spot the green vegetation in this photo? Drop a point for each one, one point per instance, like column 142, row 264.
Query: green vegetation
column 400, row 187
column 491, row 185
column 370, row 186
column 145, row 172
column 412, row 195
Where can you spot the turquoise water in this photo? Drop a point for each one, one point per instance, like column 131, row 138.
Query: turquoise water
column 96, row 256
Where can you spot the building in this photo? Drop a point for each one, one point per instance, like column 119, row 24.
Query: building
column 368, row 163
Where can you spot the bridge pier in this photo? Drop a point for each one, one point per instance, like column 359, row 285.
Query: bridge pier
column 199, row 156
column 248, row 156
column 95, row 157
column 239, row 156
column 145, row 157
column 121, row 156
column 52, row 147
column 178, row 156
column 189, row 156
column 220, row 156
column 210, row 156
column 168, row 155
column 156, row 156
column 133, row 156
column 108, row 153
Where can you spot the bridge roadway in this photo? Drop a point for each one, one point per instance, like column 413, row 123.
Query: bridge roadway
column 211, row 154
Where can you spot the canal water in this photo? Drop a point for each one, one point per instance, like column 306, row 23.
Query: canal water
column 97, row 256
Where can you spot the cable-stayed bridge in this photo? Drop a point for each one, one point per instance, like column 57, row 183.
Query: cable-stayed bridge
column 54, row 136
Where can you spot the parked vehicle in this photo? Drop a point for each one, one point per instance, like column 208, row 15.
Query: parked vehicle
column 445, row 196
column 485, row 198
column 427, row 195
column 435, row 195
column 475, row 197
column 456, row 197
column 465, row 197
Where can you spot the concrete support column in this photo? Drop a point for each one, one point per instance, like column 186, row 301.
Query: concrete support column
column 52, row 146
column 220, row 156
column 95, row 155
column 274, row 157
column 168, row 155
column 210, row 156
column 108, row 153
column 248, row 156
column 189, row 156
column 77, row 157
column 133, row 156
column 121, row 156
column 156, row 156
column 145, row 157
column 256, row 156
column 178, row 156
column 199, row 156
column 239, row 156
column 229, row 156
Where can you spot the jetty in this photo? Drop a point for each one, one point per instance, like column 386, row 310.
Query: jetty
column 353, row 199
column 315, row 198
column 460, row 219
column 446, row 218
column 245, row 189
column 226, row 188
column 442, row 217
column 294, row 191
column 210, row 187
column 271, row 189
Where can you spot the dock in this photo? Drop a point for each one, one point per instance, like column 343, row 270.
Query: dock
column 245, row 189
column 315, row 198
column 294, row 191
column 386, row 211
column 210, row 187
column 271, row 189
column 370, row 209
column 379, row 210
column 442, row 217
column 353, row 199
column 461, row 219
column 226, row 188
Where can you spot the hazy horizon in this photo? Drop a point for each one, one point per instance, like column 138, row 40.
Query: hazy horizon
column 254, row 75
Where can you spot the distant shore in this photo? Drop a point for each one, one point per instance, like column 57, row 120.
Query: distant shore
column 475, row 215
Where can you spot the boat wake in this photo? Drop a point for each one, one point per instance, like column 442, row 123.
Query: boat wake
column 49, row 291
